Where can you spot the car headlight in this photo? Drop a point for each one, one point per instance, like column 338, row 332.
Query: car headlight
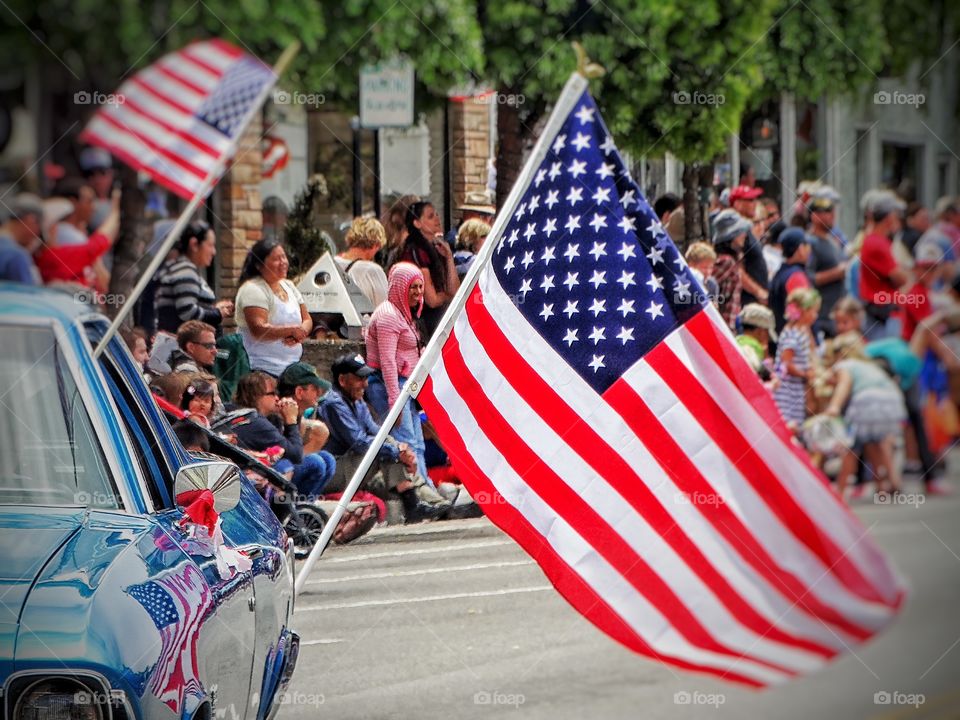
column 58, row 699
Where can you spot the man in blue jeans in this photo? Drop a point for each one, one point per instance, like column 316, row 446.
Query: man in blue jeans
column 352, row 430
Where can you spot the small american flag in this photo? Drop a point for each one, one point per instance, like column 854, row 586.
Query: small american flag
column 177, row 604
column 603, row 416
column 176, row 119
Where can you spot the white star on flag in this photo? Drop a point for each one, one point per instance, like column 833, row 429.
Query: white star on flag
column 602, row 195
column 655, row 310
column 585, row 115
column 598, row 250
column 627, row 251
column 598, row 222
column 655, row 255
column 581, row 141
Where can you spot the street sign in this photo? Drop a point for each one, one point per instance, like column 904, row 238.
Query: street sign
column 386, row 94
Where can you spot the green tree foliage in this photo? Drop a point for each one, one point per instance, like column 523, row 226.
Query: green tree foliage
column 305, row 242
column 823, row 47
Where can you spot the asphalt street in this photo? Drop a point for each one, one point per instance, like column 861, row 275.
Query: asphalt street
column 453, row 620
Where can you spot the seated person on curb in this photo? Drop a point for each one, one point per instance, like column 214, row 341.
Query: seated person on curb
column 352, row 430
column 300, row 383
column 197, row 347
column 274, row 424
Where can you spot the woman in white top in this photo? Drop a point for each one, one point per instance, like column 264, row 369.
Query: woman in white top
column 364, row 239
column 270, row 311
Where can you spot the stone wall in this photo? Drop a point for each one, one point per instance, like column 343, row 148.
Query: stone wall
column 322, row 353
column 469, row 148
column 238, row 210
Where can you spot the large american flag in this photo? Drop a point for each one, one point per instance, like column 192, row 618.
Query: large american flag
column 177, row 603
column 176, row 119
column 597, row 405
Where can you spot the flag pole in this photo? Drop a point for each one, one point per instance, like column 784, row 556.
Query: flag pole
column 209, row 181
column 568, row 97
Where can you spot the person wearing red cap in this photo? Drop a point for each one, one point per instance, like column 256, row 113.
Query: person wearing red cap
column 753, row 269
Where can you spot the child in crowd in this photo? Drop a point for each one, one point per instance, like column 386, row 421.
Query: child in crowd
column 198, row 401
column 701, row 257
column 755, row 326
column 872, row 407
column 796, row 355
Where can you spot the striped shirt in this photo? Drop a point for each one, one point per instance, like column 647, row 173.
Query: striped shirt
column 790, row 394
column 183, row 294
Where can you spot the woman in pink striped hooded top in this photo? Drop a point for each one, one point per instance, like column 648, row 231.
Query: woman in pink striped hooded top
column 394, row 346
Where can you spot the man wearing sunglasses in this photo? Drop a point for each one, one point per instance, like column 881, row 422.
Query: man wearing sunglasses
column 197, row 344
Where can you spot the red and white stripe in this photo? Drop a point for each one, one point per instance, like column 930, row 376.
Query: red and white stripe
column 153, row 127
column 276, row 155
column 674, row 511
column 176, row 673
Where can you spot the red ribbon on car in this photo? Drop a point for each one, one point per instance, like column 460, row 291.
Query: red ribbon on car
column 198, row 508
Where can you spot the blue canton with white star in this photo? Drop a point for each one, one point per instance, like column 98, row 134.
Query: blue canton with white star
column 157, row 602
column 586, row 260
column 228, row 104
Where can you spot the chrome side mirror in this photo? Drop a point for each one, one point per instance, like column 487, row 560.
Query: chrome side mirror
column 220, row 478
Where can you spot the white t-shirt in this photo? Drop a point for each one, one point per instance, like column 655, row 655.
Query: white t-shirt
column 368, row 276
column 272, row 356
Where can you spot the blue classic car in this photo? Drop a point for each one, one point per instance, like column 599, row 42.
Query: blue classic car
column 109, row 609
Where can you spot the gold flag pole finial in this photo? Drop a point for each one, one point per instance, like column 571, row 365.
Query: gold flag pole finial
column 585, row 67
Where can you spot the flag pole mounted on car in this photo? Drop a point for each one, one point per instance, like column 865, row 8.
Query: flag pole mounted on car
column 575, row 85
column 184, row 138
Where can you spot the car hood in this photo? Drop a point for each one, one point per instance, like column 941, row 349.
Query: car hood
column 29, row 537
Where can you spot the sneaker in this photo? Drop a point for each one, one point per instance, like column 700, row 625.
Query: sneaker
column 938, row 487
column 416, row 510
column 425, row 493
column 912, row 467
column 464, row 507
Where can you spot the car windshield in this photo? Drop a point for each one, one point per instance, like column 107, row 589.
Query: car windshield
column 49, row 454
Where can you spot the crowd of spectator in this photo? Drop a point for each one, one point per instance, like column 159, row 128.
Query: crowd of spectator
column 856, row 340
